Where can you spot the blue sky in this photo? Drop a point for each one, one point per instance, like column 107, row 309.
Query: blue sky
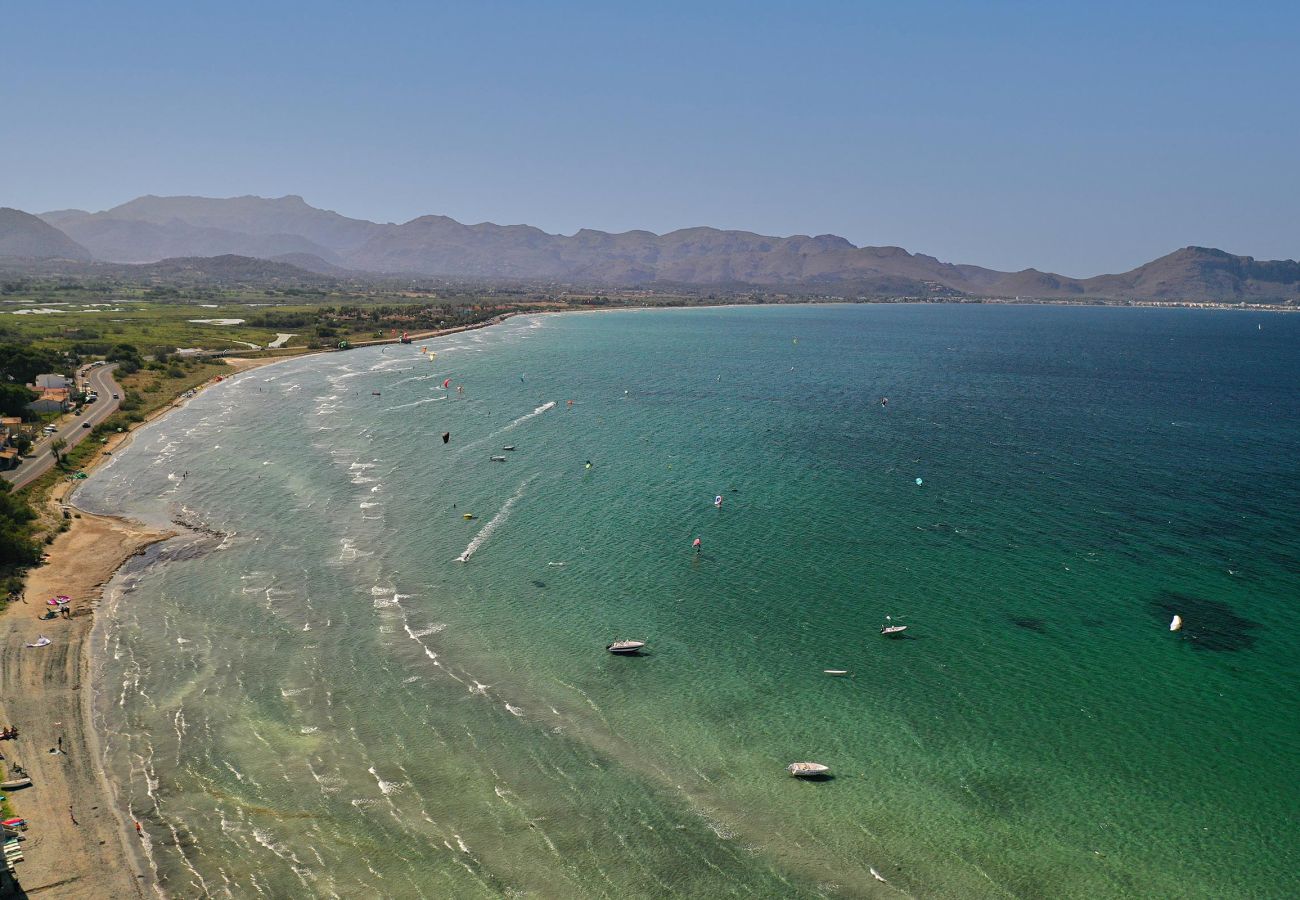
column 1078, row 138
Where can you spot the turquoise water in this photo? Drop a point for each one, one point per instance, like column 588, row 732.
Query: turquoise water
column 343, row 688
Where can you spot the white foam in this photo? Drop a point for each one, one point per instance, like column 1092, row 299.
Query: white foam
column 537, row 412
column 486, row 531
column 388, row 788
column 414, row 378
column 414, row 403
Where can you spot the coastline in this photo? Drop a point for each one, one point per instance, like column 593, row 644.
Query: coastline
column 98, row 653
column 74, row 831
column 80, row 842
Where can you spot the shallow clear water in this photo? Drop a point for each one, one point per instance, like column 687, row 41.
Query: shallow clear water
column 322, row 697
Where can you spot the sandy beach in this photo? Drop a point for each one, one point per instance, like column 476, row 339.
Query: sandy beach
column 77, row 843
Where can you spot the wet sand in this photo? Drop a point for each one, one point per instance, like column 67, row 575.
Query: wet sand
column 77, row 844
column 41, row 692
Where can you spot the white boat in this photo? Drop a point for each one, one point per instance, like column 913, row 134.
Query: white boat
column 836, row 671
column 625, row 647
column 889, row 629
column 498, row 459
column 510, row 447
column 807, row 769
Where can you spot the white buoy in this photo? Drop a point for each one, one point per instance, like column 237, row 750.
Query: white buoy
column 1176, row 624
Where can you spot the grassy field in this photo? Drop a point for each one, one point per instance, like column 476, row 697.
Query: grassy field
column 146, row 324
column 155, row 327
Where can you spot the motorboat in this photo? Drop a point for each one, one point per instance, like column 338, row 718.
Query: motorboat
column 511, row 447
column 498, row 459
column 807, row 769
column 889, row 629
column 625, row 647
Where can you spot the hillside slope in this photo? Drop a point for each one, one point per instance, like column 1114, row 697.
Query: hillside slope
column 25, row 236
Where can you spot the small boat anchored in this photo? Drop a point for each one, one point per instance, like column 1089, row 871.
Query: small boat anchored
column 891, row 630
column 509, row 447
column 807, row 769
column 625, row 648
column 835, row 671
column 498, row 459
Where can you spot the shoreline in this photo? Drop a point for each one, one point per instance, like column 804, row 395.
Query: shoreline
column 64, row 860
column 74, row 829
column 79, row 841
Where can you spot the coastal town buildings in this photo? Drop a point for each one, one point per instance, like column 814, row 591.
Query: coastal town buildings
column 55, row 400
column 9, row 454
column 55, row 393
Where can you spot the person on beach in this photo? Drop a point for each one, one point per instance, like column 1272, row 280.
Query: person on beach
column 138, row 830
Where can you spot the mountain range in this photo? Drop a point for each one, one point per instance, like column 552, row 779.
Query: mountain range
column 290, row 231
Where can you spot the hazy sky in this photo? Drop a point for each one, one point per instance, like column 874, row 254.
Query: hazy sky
column 1080, row 138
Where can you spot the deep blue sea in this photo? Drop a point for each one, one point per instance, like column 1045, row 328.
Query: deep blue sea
column 340, row 686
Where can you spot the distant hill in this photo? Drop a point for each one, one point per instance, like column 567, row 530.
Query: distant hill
column 1201, row 272
column 151, row 228
column 229, row 268
column 312, row 263
column 287, row 228
column 137, row 240
column 25, row 236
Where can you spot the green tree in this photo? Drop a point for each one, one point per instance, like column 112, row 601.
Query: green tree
column 17, row 547
column 21, row 364
column 127, row 358
column 14, row 399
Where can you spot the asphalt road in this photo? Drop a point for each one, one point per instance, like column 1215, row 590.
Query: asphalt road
column 101, row 381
